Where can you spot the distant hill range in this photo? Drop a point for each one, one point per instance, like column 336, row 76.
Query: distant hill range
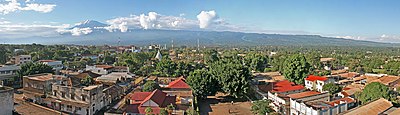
column 212, row 38
column 101, row 36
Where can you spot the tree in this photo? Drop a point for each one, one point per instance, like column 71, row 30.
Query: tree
column 150, row 86
column 34, row 68
column 232, row 76
column 296, row 68
column 191, row 111
column 163, row 111
column 166, row 67
column 202, row 83
column 255, row 61
column 261, row 107
column 148, row 111
column 331, row 88
column 86, row 81
column 373, row 91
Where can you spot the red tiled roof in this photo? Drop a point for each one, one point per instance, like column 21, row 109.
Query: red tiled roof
column 140, row 96
column 179, row 84
column 46, row 60
column 314, row 78
column 303, row 94
column 285, row 86
column 157, row 96
column 346, row 100
column 104, row 66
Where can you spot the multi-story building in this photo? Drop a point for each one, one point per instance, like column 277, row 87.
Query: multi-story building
column 38, row 86
column 181, row 90
column 7, row 74
column 100, row 69
column 278, row 94
column 6, row 100
column 57, row 65
column 299, row 101
column 317, row 82
column 82, row 100
column 21, row 59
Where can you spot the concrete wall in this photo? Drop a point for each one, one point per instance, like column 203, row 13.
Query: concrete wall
column 6, row 101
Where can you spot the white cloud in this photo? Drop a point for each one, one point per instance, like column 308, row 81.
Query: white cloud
column 44, row 8
column 206, row 18
column 14, row 6
column 148, row 21
column 76, row 31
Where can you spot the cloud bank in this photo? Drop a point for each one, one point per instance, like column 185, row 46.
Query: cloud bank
column 11, row 6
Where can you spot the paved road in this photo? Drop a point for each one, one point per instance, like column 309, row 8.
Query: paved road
column 27, row 108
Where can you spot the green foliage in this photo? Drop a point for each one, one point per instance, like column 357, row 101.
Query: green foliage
column 150, row 86
column 261, row 107
column 296, row 68
column 373, row 91
column 232, row 76
column 202, row 83
column 332, row 88
column 34, row 68
column 191, row 111
column 166, row 67
column 163, row 111
column 87, row 81
column 256, row 61
column 211, row 56
column 148, row 110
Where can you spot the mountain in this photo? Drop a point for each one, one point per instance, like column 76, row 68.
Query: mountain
column 89, row 24
column 101, row 36
column 213, row 38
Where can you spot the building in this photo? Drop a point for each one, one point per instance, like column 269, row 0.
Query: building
column 322, row 107
column 139, row 101
column 21, row 59
column 57, row 65
column 277, row 93
column 373, row 108
column 181, row 90
column 7, row 74
column 100, row 69
column 38, row 86
column 90, row 56
column 300, row 103
column 82, row 100
column 316, row 82
column 158, row 56
column 6, row 100
column 115, row 77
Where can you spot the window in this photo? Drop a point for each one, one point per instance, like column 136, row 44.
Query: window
column 69, row 108
column 78, row 108
column 62, row 94
column 72, row 96
column 55, row 93
column 83, row 98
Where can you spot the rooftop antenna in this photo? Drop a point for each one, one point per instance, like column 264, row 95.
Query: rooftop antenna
column 172, row 44
column 198, row 44
column 119, row 41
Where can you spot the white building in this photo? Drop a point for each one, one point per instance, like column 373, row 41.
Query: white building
column 8, row 72
column 100, row 69
column 84, row 100
column 335, row 107
column 6, row 100
column 299, row 101
column 57, row 65
column 317, row 82
column 21, row 59
column 279, row 92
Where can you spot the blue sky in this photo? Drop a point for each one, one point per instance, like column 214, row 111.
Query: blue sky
column 354, row 19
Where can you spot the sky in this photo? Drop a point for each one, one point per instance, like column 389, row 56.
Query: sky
column 371, row 20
